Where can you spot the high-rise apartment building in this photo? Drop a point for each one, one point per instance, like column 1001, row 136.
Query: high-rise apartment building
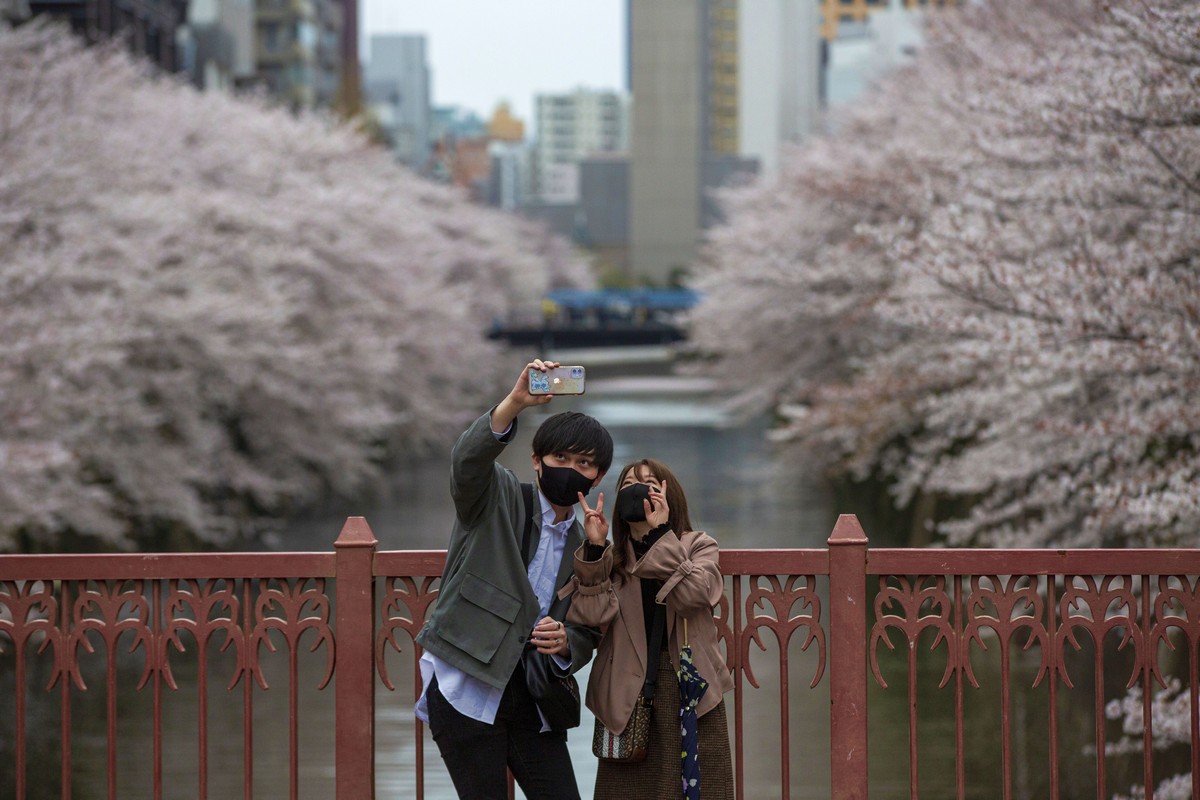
column 218, row 45
column 835, row 12
column 349, row 96
column 571, row 127
column 719, row 77
column 508, row 174
column 304, row 52
column 718, row 86
column 148, row 28
column 667, row 134
column 299, row 50
column 397, row 87
column 779, row 53
column 864, row 51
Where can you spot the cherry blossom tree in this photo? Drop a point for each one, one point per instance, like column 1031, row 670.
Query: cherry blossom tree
column 985, row 284
column 215, row 313
column 1171, row 716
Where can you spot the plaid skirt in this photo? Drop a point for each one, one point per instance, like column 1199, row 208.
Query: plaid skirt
column 659, row 776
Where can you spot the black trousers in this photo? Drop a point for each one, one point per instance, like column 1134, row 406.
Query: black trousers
column 476, row 754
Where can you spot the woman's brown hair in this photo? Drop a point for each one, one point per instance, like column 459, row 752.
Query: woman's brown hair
column 677, row 518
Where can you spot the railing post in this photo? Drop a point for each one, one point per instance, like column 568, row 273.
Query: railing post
column 848, row 659
column 354, row 700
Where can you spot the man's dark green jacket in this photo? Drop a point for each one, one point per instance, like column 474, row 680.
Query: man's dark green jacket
column 486, row 608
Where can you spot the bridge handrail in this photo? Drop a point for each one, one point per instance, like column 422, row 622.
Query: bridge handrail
column 845, row 601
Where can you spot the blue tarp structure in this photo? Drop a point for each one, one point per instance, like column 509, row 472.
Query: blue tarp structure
column 602, row 318
column 624, row 299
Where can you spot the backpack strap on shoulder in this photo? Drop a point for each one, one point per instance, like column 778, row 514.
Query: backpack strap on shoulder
column 527, row 496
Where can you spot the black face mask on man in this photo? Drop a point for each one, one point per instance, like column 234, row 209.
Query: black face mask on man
column 630, row 499
column 562, row 485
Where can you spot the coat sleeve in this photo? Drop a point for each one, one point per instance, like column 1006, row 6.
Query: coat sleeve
column 474, row 473
column 689, row 569
column 595, row 598
column 583, row 639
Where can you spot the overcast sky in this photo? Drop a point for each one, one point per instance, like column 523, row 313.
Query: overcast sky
column 485, row 51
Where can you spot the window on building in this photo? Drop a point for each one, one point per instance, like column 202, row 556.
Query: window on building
column 300, row 75
column 274, row 39
column 306, row 34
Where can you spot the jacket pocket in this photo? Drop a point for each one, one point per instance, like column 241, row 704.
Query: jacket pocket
column 483, row 618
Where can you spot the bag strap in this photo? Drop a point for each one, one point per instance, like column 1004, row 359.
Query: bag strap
column 657, row 627
column 527, row 495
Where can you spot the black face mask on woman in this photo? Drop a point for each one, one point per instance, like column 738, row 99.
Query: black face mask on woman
column 629, row 505
column 562, row 485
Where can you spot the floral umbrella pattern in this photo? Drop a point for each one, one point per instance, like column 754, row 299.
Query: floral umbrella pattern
column 692, row 687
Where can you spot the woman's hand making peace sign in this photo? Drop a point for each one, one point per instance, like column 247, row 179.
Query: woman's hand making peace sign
column 595, row 524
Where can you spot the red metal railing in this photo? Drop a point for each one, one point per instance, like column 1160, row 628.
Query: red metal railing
column 824, row 612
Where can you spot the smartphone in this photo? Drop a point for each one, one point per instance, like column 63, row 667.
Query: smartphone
column 558, row 380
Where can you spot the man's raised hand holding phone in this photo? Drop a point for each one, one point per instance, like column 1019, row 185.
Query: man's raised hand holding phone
column 520, row 397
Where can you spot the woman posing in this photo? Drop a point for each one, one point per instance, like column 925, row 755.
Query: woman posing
column 655, row 558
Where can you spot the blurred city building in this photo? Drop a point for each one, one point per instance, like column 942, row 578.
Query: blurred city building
column 217, row 44
column 571, row 127
column 457, row 135
column 668, row 130
column 508, row 175
column 836, row 13
column 718, row 86
column 504, row 126
column 349, row 98
column 304, row 52
column 602, row 225
column 509, row 160
column 597, row 219
column 779, row 55
column 456, row 122
column 13, row 11
column 396, row 83
column 579, row 180
column 862, row 51
column 471, row 166
column 299, row 50
column 719, row 77
column 149, row 28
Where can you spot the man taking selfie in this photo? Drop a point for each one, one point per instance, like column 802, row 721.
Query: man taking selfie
column 496, row 601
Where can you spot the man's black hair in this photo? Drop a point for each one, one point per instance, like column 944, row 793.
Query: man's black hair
column 573, row 432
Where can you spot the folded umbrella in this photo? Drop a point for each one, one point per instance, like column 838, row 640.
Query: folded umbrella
column 692, row 687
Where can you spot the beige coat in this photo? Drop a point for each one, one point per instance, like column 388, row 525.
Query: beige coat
column 692, row 586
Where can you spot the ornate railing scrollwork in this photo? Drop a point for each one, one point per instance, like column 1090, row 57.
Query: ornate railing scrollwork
column 401, row 594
